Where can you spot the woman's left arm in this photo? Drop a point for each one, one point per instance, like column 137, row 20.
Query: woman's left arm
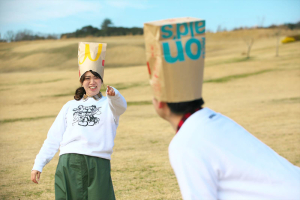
column 117, row 102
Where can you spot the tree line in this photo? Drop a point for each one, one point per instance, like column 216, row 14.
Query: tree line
column 290, row 26
column 106, row 29
column 11, row 36
column 110, row 31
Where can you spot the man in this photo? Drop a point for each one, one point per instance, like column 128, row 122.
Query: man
column 213, row 157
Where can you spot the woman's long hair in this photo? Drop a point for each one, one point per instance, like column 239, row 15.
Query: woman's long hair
column 81, row 91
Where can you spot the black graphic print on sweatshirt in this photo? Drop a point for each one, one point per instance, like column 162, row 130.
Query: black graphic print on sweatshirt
column 85, row 115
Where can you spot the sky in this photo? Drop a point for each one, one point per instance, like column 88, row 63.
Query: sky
column 64, row 16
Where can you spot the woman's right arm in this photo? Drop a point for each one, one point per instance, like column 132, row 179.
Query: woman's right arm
column 51, row 144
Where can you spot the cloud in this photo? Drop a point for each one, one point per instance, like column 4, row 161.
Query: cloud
column 141, row 4
column 16, row 11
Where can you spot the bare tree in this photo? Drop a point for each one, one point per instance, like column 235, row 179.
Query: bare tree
column 262, row 22
column 249, row 41
column 9, row 36
column 24, row 35
column 277, row 34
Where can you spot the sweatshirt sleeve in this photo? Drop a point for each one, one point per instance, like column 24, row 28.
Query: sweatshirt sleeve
column 52, row 143
column 117, row 104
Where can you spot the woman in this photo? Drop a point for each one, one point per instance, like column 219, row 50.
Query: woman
column 84, row 131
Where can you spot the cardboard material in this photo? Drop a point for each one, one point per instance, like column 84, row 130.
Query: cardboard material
column 91, row 56
column 175, row 52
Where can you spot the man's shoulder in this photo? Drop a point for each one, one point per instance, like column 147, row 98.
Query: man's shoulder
column 203, row 127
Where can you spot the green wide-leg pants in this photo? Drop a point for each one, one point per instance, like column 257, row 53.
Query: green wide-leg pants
column 82, row 177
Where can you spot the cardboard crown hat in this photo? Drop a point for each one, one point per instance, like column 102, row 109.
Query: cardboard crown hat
column 175, row 52
column 91, row 56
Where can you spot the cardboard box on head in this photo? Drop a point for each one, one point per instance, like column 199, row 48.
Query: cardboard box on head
column 91, row 56
column 175, row 51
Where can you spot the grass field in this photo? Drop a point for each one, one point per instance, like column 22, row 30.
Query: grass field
column 37, row 78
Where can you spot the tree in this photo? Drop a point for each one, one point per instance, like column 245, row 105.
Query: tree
column 106, row 23
column 219, row 29
column 24, row 35
column 249, row 41
column 277, row 34
column 9, row 36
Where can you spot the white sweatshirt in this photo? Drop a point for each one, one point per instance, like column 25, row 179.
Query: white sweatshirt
column 85, row 127
column 215, row 158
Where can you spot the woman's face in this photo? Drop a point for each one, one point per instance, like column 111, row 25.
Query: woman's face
column 91, row 84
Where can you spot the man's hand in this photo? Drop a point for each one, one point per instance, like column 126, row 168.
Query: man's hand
column 35, row 176
column 110, row 91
